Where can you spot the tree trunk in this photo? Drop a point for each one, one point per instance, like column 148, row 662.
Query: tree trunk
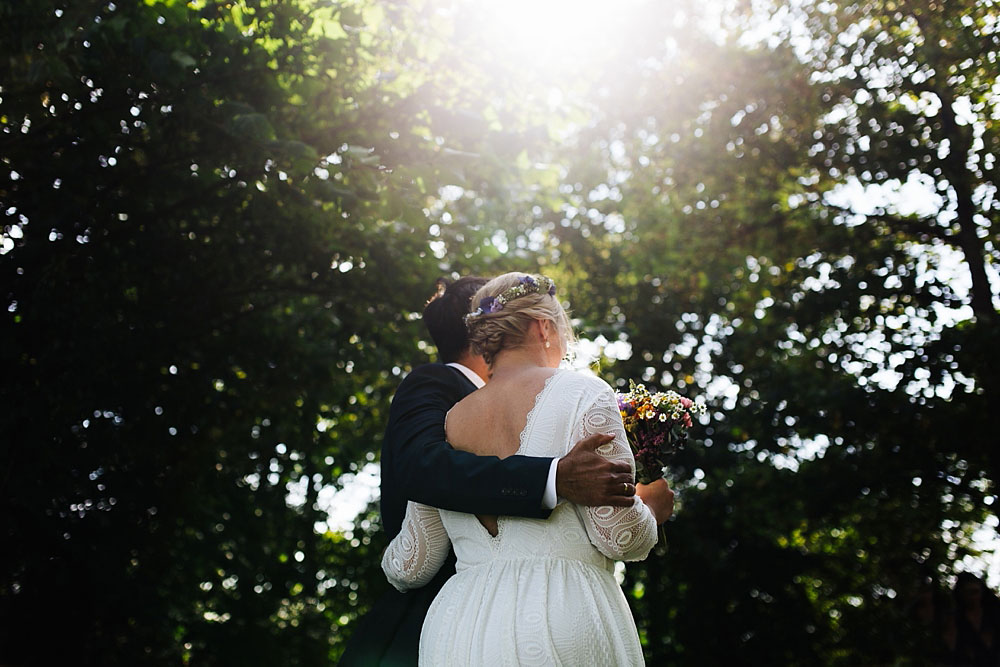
column 955, row 170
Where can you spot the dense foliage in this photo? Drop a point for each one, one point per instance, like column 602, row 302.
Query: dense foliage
column 222, row 220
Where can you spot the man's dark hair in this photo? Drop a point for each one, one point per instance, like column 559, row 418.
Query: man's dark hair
column 444, row 315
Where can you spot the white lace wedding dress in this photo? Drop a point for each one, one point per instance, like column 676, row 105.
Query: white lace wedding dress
column 541, row 592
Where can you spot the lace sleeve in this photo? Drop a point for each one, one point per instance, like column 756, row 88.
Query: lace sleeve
column 620, row 533
column 419, row 550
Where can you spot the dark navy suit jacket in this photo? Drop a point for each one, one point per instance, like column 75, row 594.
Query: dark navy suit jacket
column 418, row 464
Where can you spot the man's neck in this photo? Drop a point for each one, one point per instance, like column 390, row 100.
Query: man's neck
column 475, row 363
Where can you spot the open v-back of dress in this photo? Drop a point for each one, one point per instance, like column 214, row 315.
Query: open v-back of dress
column 521, row 439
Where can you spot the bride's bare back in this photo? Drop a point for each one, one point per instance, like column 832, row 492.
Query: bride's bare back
column 489, row 422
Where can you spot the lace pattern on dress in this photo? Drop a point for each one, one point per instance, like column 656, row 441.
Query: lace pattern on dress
column 418, row 552
column 620, row 533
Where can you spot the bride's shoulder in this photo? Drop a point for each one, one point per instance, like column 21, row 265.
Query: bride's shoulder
column 587, row 381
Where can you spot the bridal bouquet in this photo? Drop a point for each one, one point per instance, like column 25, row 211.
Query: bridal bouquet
column 657, row 427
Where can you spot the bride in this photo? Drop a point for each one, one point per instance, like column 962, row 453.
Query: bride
column 528, row 591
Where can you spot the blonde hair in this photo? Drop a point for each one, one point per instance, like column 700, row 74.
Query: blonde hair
column 489, row 333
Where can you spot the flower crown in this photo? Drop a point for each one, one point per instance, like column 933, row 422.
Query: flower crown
column 526, row 285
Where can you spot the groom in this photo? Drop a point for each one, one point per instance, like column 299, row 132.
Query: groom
column 418, row 464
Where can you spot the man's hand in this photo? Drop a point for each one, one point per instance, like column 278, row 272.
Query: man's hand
column 586, row 478
column 658, row 497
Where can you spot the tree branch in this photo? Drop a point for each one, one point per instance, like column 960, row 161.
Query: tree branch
column 911, row 225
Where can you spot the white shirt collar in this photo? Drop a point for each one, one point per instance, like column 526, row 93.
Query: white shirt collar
column 469, row 373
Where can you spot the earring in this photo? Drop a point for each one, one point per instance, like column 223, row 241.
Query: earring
column 548, row 344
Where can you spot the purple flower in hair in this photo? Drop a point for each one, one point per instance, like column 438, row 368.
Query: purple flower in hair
column 529, row 281
column 552, row 288
column 490, row 305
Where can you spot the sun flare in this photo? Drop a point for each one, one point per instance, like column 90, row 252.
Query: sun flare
column 552, row 34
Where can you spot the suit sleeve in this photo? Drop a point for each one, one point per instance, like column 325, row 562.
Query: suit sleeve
column 432, row 472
